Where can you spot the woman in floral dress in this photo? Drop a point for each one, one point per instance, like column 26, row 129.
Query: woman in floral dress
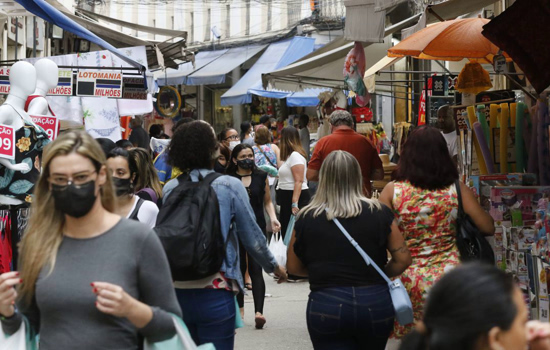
column 425, row 202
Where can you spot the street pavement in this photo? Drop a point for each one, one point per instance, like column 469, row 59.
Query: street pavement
column 285, row 312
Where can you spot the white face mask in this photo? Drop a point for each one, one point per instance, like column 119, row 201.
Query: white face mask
column 233, row 144
column 252, row 133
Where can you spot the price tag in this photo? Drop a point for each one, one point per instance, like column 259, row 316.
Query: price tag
column 50, row 124
column 7, row 142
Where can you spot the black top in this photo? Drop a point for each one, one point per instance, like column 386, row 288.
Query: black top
column 140, row 138
column 256, row 192
column 330, row 258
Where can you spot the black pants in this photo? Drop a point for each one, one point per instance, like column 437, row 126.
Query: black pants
column 257, row 278
column 284, row 199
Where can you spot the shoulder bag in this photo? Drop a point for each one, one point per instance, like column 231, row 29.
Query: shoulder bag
column 399, row 296
column 472, row 245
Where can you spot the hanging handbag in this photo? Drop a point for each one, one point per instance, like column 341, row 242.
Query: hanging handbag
column 399, row 296
column 181, row 341
column 20, row 340
column 290, row 229
column 472, row 245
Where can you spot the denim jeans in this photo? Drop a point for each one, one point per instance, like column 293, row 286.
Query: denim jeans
column 350, row 317
column 210, row 316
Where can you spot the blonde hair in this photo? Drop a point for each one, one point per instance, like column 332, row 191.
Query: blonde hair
column 340, row 190
column 147, row 176
column 44, row 235
column 290, row 142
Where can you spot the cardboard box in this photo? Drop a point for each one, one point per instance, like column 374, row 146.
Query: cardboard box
column 481, row 185
column 526, row 199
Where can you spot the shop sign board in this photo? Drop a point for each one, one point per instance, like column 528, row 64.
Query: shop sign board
column 134, row 88
column 64, row 84
column 4, row 80
column 7, row 142
column 99, row 84
column 50, row 124
column 438, row 85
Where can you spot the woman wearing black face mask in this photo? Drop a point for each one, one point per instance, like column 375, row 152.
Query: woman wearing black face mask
column 87, row 277
column 124, row 169
column 255, row 181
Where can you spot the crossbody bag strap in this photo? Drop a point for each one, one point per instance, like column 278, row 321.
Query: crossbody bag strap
column 363, row 254
column 459, row 197
column 266, row 157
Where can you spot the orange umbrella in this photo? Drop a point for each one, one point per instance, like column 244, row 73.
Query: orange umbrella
column 449, row 41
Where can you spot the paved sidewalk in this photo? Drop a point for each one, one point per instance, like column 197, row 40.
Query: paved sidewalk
column 285, row 312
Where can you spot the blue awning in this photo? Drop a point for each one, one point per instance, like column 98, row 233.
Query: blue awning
column 211, row 67
column 52, row 15
column 277, row 55
column 306, row 98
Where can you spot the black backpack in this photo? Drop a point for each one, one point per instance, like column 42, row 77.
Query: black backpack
column 188, row 225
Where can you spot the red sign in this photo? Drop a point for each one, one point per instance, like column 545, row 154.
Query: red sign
column 7, row 142
column 48, row 123
column 422, row 106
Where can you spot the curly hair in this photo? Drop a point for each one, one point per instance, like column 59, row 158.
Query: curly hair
column 192, row 146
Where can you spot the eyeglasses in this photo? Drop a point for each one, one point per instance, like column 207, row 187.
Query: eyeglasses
column 64, row 181
column 232, row 137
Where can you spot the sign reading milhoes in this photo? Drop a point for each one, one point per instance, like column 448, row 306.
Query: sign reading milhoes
column 4, row 80
column 7, row 142
column 99, row 84
column 64, row 84
column 50, row 124
column 134, row 89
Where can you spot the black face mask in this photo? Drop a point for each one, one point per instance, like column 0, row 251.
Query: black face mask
column 246, row 164
column 219, row 168
column 74, row 201
column 123, row 186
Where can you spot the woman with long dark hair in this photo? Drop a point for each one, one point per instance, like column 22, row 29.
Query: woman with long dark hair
column 242, row 167
column 424, row 199
column 247, row 135
column 477, row 307
column 349, row 305
column 292, row 189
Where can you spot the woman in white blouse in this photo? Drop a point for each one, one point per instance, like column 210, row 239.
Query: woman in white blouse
column 292, row 190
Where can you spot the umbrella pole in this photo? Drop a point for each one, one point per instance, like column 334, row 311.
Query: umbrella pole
column 426, row 109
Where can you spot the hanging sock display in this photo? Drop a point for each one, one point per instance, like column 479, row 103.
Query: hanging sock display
column 520, row 146
column 542, row 140
column 485, row 151
column 481, row 161
column 503, row 149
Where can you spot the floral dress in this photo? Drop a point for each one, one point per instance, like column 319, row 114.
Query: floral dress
column 428, row 221
column 30, row 141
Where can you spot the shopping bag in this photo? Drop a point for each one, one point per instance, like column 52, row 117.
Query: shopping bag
column 278, row 249
column 181, row 341
column 20, row 340
column 290, row 229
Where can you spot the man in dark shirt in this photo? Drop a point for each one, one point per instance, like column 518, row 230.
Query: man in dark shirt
column 344, row 138
column 139, row 137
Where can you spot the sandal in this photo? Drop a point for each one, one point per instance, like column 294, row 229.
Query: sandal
column 248, row 286
column 260, row 320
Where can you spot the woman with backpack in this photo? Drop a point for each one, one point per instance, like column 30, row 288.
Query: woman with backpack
column 124, row 171
column 208, row 302
column 147, row 184
column 88, row 279
column 242, row 167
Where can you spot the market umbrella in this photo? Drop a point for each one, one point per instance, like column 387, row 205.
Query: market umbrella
column 449, row 41
column 522, row 30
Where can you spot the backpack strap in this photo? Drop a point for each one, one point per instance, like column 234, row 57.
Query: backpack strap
column 134, row 215
column 150, row 192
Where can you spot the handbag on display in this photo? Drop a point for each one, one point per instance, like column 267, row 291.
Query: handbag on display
column 472, row 245
column 181, row 341
column 20, row 340
column 399, row 296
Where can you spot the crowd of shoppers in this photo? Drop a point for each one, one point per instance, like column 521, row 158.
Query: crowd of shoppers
column 95, row 275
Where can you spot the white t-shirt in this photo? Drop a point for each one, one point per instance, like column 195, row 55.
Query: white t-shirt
column 452, row 142
column 147, row 213
column 286, row 180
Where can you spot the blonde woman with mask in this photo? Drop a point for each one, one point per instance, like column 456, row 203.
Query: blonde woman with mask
column 89, row 279
column 349, row 305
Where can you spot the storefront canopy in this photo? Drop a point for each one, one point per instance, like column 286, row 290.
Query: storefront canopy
column 277, row 55
column 211, row 67
column 52, row 15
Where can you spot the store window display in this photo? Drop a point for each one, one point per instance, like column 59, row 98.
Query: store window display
column 17, row 177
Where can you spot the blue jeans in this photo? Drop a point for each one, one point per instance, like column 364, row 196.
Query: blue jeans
column 350, row 317
column 210, row 316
